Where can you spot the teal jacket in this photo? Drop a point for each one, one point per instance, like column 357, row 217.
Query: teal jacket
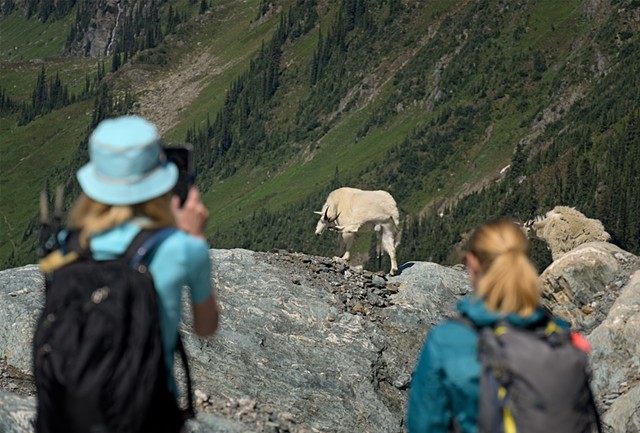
column 445, row 383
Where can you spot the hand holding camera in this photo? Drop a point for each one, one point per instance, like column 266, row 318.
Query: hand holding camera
column 182, row 157
column 191, row 216
column 190, row 213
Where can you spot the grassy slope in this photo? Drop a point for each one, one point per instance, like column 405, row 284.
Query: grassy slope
column 250, row 190
column 239, row 196
column 246, row 192
column 228, row 34
column 31, row 154
column 551, row 27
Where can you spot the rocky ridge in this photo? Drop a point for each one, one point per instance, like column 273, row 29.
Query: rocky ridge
column 310, row 344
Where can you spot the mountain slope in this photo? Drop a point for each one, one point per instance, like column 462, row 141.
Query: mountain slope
column 431, row 101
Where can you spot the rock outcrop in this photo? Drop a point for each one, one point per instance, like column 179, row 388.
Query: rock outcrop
column 596, row 287
column 616, row 358
column 99, row 37
column 582, row 285
column 309, row 344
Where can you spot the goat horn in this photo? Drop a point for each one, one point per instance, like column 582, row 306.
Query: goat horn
column 333, row 219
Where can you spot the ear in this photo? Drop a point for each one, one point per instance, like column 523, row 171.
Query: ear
column 473, row 265
column 472, row 261
column 317, row 212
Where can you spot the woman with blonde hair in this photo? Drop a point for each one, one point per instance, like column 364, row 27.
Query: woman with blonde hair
column 446, row 383
column 127, row 187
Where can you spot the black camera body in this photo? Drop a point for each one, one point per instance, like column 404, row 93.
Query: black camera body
column 182, row 156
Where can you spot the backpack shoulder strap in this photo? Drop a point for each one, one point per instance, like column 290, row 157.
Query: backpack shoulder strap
column 137, row 254
column 189, row 412
column 144, row 243
column 72, row 243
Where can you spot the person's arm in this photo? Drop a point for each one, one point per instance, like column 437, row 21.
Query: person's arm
column 205, row 316
column 428, row 409
column 192, row 218
column 203, row 295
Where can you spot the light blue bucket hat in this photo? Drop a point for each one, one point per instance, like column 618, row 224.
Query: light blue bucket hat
column 127, row 164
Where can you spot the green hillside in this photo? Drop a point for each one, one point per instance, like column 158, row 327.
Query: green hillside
column 285, row 101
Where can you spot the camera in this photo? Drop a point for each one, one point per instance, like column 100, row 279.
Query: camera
column 182, row 156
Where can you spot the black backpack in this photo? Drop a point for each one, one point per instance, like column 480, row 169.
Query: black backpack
column 97, row 349
column 533, row 380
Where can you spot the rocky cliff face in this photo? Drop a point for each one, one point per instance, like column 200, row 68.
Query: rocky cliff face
column 308, row 344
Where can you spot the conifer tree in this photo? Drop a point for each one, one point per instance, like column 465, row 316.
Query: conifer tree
column 115, row 60
column 8, row 7
column 39, row 94
column 204, row 6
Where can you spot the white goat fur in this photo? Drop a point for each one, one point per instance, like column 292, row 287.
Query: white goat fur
column 350, row 210
column 565, row 228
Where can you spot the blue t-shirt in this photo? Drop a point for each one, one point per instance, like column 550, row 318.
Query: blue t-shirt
column 180, row 260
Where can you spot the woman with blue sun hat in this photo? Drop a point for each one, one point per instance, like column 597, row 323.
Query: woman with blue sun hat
column 127, row 187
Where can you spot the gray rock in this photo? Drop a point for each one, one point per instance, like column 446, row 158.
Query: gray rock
column 616, row 359
column 99, row 34
column 306, row 346
column 16, row 413
column 277, row 345
column 624, row 414
column 21, row 295
column 581, row 286
column 427, row 293
column 597, row 288
column 378, row 281
column 307, row 353
column 286, row 340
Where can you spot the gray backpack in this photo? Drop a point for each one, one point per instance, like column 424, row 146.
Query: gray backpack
column 534, row 380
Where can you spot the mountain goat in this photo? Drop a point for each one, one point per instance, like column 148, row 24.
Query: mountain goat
column 350, row 210
column 564, row 228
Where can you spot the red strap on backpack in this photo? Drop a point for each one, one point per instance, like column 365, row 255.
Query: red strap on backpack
column 578, row 341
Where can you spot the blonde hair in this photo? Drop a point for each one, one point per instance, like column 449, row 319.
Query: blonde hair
column 91, row 217
column 508, row 282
